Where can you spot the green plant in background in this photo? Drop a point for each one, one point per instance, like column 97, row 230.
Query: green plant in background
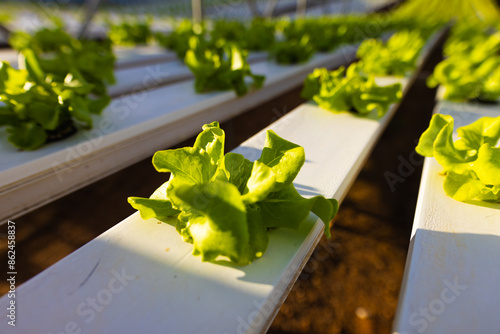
column 220, row 68
column 5, row 18
column 228, row 30
column 473, row 70
column 36, row 109
column 293, row 51
column 349, row 90
column 178, row 39
column 61, row 83
column 225, row 204
column 324, row 34
column 471, row 164
column 451, row 10
column 131, row 34
column 59, row 54
column 464, row 36
column 259, row 36
column 397, row 57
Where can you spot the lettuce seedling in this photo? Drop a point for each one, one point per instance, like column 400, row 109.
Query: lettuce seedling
column 130, row 34
column 293, row 51
column 472, row 72
column 349, row 90
column 220, row 68
column 259, row 36
column 397, row 57
column 178, row 39
column 61, row 83
column 57, row 54
column 324, row 33
column 471, row 164
column 228, row 30
column 224, row 204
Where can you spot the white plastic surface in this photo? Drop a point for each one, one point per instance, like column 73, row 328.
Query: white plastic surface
column 452, row 270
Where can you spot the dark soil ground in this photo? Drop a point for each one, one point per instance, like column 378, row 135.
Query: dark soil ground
column 352, row 281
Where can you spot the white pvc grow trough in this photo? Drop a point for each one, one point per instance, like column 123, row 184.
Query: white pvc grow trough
column 452, row 270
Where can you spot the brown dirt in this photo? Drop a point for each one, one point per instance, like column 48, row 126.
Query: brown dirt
column 360, row 268
column 352, row 281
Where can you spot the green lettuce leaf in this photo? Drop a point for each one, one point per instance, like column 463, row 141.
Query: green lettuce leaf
column 350, row 90
column 63, row 83
column 27, row 136
column 260, row 184
column 160, row 209
column 219, row 67
column 471, row 163
column 224, row 204
column 284, row 158
column 397, row 57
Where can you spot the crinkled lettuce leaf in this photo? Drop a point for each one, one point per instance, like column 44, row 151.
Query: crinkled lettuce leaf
column 224, row 204
column 61, row 83
column 350, row 90
column 220, row 68
column 471, row 164
column 397, row 57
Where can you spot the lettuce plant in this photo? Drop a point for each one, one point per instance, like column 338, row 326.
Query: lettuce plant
column 130, row 33
column 471, row 164
column 473, row 71
column 259, row 36
column 228, row 30
column 464, row 37
column 225, row 204
column 178, row 39
column 465, row 81
column 397, row 57
column 327, row 33
column 342, row 90
column 324, row 33
column 58, row 54
column 293, row 51
column 220, row 68
column 61, row 84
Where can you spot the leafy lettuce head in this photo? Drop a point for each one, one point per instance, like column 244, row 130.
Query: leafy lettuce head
column 472, row 162
column 224, row 204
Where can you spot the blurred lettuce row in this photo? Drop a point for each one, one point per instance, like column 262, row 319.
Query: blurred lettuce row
column 257, row 35
column 178, row 39
column 288, row 41
column 471, row 70
column 471, row 164
column 472, row 11
column 61, row 83
column 350, row 90
column 223, row 67
column 397, row 57
column 130, row 34
column 214, row 50
column 225, row 204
